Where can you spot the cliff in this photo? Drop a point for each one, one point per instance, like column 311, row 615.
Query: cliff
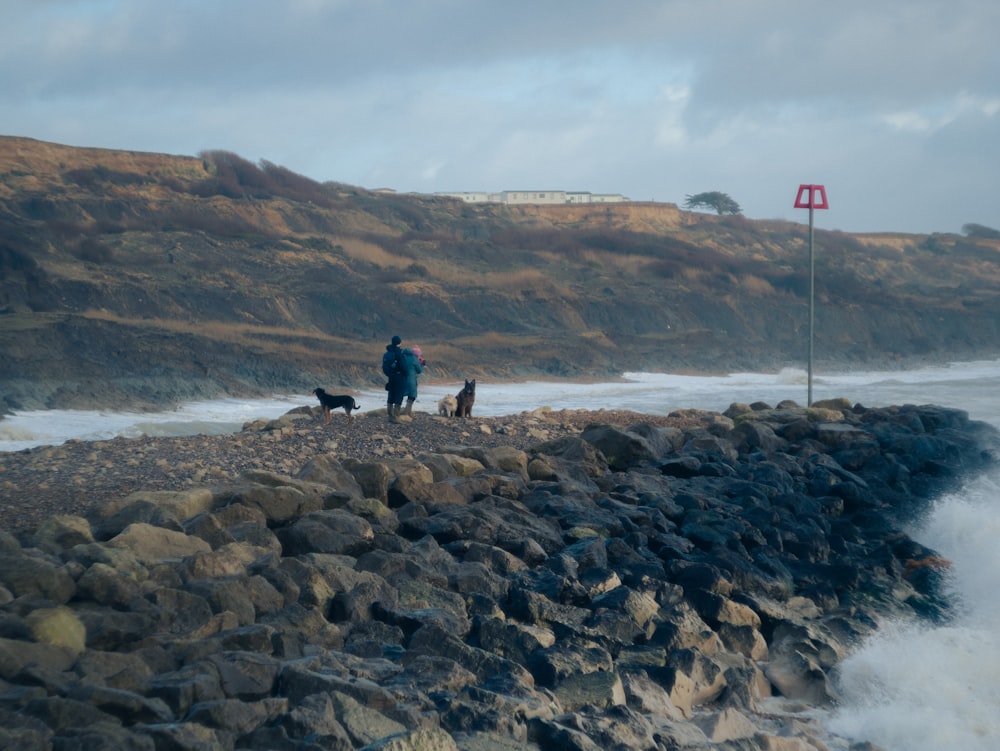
column 144, row 279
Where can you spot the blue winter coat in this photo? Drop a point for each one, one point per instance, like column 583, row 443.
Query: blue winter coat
column 413, row 369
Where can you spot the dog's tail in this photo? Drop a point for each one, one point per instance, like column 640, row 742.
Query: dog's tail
column 356, row 405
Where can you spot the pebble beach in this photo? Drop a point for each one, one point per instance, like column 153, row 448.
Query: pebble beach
column 78, row 477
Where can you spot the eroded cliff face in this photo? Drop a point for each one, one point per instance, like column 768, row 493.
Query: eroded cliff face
column 148, row 279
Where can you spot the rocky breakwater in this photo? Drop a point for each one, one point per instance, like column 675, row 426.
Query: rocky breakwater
column 629, row 587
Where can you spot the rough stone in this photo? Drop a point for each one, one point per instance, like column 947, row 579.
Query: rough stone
column 646, row 594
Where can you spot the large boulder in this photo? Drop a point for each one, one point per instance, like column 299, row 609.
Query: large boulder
column 149, row 544
column 621, row 449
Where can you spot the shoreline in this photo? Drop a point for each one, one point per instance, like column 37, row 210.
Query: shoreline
column 131, row 394
column 506, row 396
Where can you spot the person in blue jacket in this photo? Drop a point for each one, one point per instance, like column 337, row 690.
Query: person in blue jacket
column 394, row 368
column 414, row 367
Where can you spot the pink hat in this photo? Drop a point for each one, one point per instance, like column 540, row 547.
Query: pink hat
column 415, row 349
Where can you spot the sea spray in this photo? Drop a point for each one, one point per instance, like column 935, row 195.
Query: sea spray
column 917, row 687
column 914, row 688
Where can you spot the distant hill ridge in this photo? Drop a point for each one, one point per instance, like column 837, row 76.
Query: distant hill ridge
column 145, row 279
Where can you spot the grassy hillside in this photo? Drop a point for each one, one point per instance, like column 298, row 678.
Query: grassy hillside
column 148, row 278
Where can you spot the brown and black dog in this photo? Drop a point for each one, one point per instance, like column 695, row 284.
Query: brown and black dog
column 336, row 401
column 465, row 399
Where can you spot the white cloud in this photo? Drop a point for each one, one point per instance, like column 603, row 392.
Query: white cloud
column 649, row 99
column 912, row 122
column 942, row 114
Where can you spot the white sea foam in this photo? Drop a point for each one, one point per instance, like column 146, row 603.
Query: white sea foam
column 970, row 386
column 922, row 689
column 918, row 688
column 794, row 376
column 213, row 417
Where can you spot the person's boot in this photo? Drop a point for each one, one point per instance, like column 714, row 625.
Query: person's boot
column 408, row 411
column 390, row 411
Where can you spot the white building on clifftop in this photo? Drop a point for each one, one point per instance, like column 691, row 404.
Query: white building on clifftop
column 536, row 197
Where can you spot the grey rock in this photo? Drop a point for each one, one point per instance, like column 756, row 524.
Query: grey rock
column 621, row 449
column 554, row 597
column 29, row 574
column 337, row 532
column 15, row 655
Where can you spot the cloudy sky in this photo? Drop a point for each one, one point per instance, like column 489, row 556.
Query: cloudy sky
column 892, row 105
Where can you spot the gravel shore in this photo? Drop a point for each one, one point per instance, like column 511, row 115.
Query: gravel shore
column 80, row 476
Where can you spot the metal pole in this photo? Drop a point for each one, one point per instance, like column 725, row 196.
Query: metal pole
column 812, row 307
column 811, row 203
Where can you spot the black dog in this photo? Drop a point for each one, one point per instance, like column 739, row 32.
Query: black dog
column 466, row 398
column 335, row 401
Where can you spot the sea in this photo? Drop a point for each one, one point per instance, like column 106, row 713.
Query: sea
column 911, row 687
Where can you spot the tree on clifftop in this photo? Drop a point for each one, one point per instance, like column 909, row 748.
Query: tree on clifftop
column 980, row 231
column 721, row 202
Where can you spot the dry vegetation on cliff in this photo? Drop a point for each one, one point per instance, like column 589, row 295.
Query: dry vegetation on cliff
column 214, row 274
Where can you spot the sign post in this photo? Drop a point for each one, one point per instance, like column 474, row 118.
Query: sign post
column 811, row 197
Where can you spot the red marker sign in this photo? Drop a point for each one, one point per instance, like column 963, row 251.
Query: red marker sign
column 811, row 197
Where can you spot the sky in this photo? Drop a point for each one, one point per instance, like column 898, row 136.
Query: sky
column 892, row 105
